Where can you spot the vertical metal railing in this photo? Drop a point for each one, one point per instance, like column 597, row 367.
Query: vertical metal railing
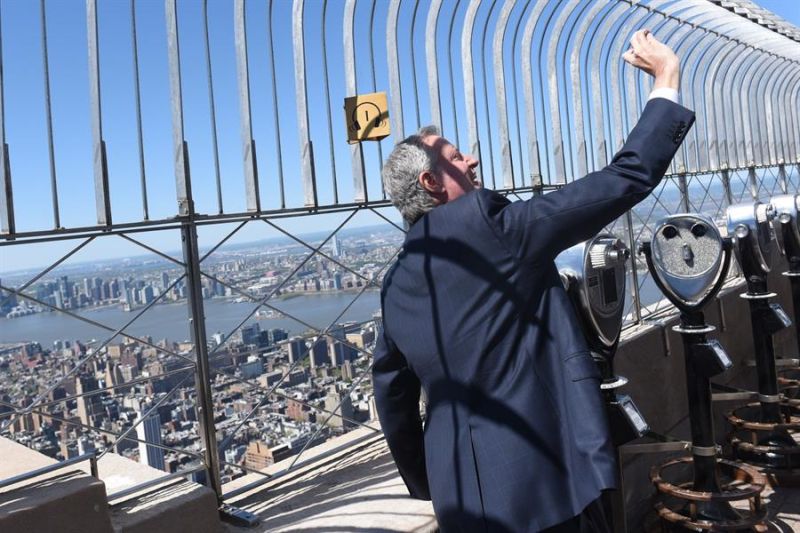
column 536, row 88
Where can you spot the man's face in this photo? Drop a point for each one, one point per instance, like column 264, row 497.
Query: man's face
column 454, row 172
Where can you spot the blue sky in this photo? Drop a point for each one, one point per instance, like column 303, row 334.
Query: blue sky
column 25, row 121
column 786, row 9
column 25, row 118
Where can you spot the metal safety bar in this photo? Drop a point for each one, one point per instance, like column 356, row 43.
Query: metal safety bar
column 741, row 74
column 91, row 457
column 536, row 89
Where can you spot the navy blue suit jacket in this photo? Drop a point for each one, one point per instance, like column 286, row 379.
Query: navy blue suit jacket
column 516, row 436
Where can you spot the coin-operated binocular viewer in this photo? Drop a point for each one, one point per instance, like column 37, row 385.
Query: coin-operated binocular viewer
column 593, row 273
column 761, row 430
column 787, row 232
column 689, row 260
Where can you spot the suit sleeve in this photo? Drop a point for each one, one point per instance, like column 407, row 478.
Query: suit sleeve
column 397, row 394
column 539, row 228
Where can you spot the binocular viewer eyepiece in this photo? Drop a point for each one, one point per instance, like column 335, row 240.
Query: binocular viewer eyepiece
column 689, row 261
column 688, row 258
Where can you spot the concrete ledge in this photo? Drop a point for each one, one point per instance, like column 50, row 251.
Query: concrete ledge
column 175, row 506
column 355, row 490
column 18, row 459
column 67, row 501
column 71, row 502
column 182, row 507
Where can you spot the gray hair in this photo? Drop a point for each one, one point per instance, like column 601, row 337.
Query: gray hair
column 401, row 171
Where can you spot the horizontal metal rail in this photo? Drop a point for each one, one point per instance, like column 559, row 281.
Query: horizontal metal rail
column 739, row 59
column 91, row 457
column 140, row 487
column 536, row 88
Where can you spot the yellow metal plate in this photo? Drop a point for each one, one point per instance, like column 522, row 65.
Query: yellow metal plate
column 367, row 117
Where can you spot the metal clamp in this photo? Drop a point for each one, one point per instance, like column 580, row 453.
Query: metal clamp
column 760, row 296
column 770, row 398
column 706, row 451
column 706, row 329
column 617, row 383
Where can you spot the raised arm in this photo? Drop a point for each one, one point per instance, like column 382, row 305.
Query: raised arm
column 543, row 226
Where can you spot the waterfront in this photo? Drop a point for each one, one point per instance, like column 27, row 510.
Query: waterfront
column 171, row 320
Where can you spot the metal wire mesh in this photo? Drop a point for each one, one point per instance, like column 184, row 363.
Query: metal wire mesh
column 535, row 89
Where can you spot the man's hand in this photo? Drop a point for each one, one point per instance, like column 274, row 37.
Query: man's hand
column 655, row 58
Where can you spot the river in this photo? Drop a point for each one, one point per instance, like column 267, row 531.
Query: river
column 170, row 321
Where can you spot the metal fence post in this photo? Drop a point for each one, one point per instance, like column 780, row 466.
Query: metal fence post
column 205, row 405
column 726, row 183
column 635, row 296
column 751, row 177
column 782, row 177
column 683, row 185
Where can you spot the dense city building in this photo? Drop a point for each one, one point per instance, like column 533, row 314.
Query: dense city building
column 275, row 390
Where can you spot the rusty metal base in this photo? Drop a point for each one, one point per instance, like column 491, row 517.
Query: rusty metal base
column 789, row 385
column 744, row 483
column 767, row 445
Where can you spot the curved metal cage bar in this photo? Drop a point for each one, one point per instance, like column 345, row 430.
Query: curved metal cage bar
column 475, row 58
column 536, row 89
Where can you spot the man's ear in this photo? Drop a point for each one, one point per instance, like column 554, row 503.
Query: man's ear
column 429, row 182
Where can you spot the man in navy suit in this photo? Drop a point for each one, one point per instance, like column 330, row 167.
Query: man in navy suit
column 474, row 313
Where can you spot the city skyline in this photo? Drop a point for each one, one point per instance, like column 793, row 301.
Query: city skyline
column 24, row 115
column 143, row 377
column 287, row 334
column 311, row 235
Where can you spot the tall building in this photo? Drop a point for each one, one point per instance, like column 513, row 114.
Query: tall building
column 114, row 288
column 132, row 357
column 218, row 337
column 85, row 445
column 332, row 401
column 59, row 300
column 297, row 349
column 150, row 430
column 8, row 301
column 319, row 352
column 251, row 333
column 258, row 456
column 147, row 294
column 338, row 352
column 128, row 372
column 347, row 371
column 90, row 408
column 64, row 288
column 276, row 335
column 97, row 288
column 252, row 368
column 362, row 338
column 336, row 248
